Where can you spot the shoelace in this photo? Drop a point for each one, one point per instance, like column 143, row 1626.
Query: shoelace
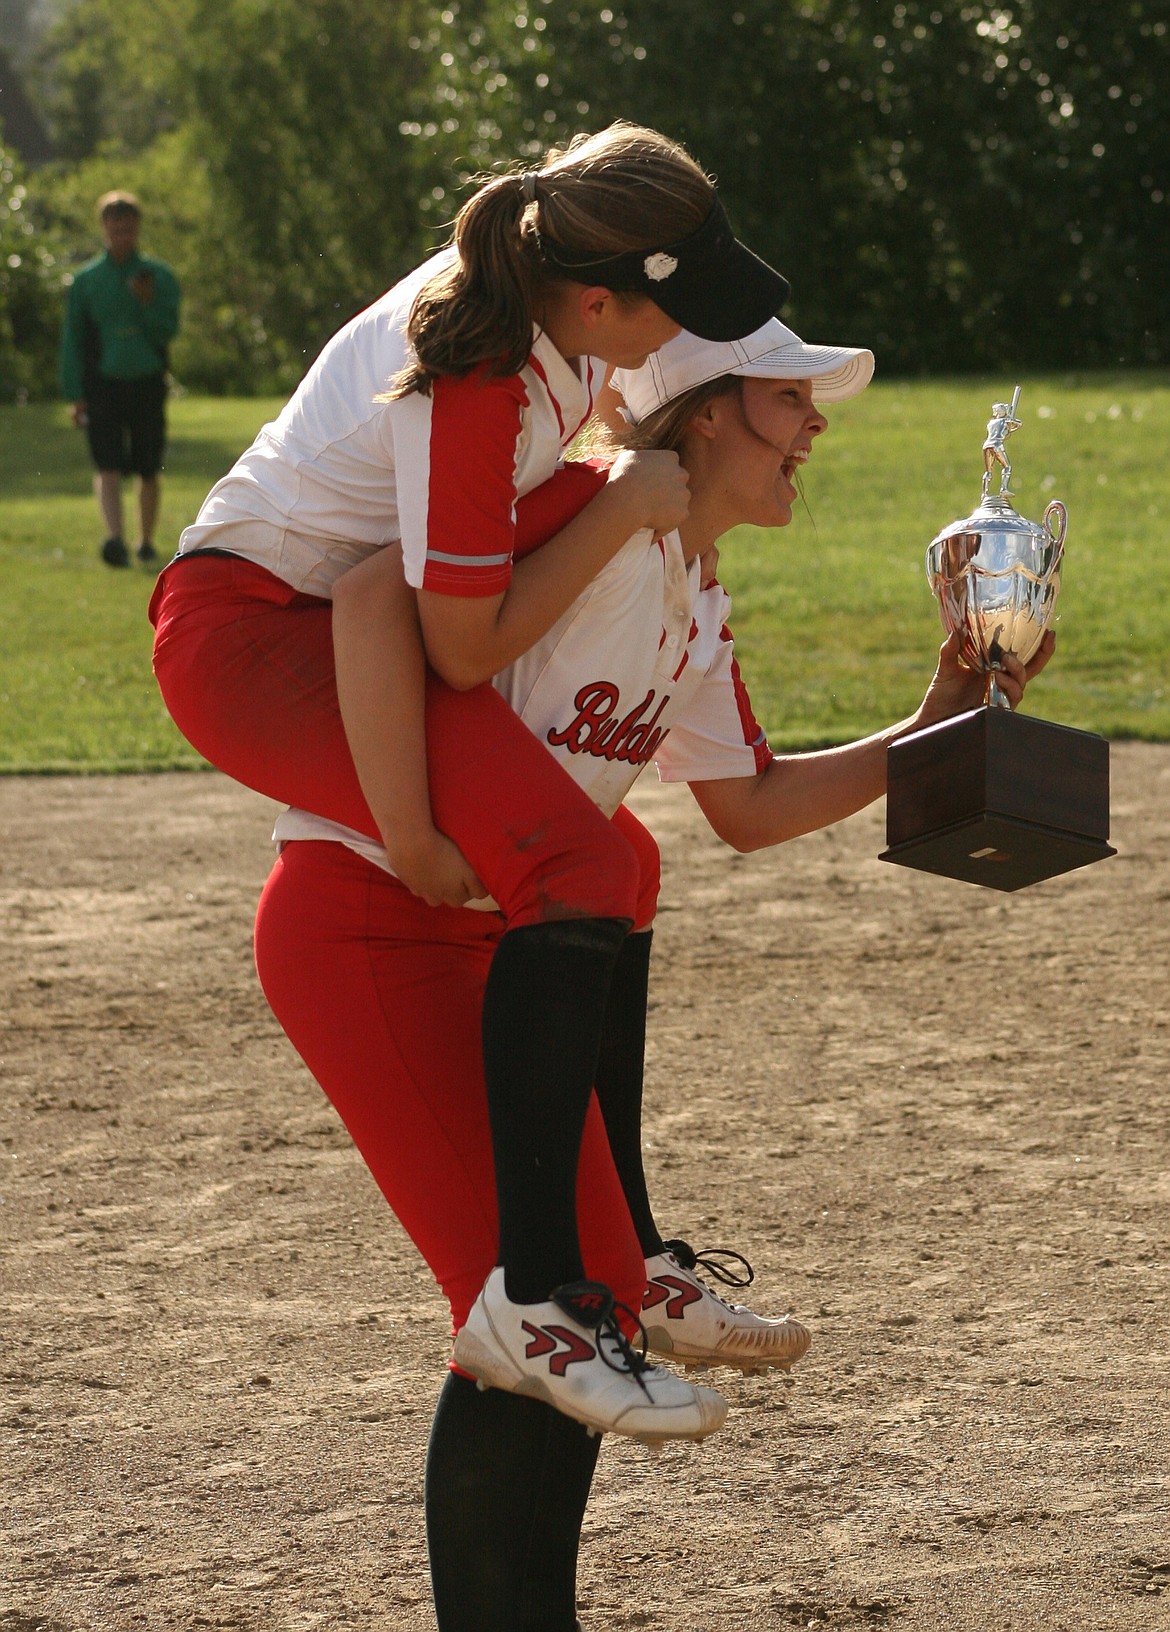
column 627, row 1358
column 714, row 1260
column 614, row 1348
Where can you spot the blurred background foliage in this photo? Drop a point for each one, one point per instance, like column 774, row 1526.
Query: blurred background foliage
column 960, row 185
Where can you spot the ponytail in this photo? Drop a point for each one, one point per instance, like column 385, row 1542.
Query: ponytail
column 625, row 188
column 479, row 308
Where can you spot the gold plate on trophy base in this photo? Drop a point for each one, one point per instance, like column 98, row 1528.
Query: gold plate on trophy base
column 999, row 799
column 998, row 852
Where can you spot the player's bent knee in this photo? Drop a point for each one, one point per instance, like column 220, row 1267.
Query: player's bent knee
column 593, row 873
column 649, row 865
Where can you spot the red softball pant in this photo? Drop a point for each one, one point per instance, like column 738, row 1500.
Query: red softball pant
column 381, row 997
column 245, row 666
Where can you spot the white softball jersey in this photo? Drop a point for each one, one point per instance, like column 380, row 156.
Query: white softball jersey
column 339, row 474
column 640, row 668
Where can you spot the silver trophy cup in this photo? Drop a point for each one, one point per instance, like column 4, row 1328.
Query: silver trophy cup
column 995, row 574
column 993, row 797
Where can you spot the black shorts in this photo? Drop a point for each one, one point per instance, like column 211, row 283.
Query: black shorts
column 127, row 428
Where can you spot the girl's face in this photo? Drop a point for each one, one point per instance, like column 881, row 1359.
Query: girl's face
column 764, row 435
column 619, row 330
column 631, row 330
column 624, row 332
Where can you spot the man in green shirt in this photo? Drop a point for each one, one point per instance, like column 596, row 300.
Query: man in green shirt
column 123, row 312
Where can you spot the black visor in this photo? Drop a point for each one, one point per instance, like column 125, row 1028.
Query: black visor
column 709, row 282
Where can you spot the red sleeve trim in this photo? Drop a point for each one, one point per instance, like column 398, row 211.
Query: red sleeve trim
column 753, row 731
column 465, row 581
column 471, row 494
column 541, row 514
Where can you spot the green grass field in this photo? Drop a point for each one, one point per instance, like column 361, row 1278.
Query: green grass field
column 835, row 626
column 76, row 689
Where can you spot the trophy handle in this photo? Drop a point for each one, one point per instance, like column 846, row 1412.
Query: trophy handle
column 1055, row 522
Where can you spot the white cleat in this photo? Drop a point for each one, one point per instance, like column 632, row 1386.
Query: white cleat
column 571, row 1353
column 685, row 1320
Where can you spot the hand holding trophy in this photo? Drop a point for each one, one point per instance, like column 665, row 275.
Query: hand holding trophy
column 989, row 796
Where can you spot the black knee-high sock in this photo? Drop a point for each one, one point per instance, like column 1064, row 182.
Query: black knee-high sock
column 550, row 1581
column 542, row 1016
column 506, row 1487
column 619, row 1079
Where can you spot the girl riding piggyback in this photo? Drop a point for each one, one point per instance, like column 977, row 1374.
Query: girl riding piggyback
column 416, row 429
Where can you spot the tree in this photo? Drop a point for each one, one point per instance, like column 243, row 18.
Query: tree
column 302, row 107
column 956, row 183
column 32, row 280
column 962, row 184
column 1098, row 236
column 107, row 74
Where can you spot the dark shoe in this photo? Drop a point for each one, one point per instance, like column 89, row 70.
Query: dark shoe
column 146, row 551
column 115, row 553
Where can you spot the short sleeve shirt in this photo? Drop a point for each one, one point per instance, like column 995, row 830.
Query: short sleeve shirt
column 342, row 472
column 640, row 668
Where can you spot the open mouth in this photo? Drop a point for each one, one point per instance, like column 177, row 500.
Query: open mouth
column 797, row 458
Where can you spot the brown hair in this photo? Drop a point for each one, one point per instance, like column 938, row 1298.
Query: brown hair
column 622, row 189
column 115, row 206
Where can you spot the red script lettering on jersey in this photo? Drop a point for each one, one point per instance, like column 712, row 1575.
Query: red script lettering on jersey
column 597, row 730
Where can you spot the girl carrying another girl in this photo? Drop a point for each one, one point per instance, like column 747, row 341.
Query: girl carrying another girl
column 364, row 977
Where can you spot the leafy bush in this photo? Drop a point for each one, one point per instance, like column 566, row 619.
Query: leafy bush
column 32, row 284
column 224, row 344
column 957, row 183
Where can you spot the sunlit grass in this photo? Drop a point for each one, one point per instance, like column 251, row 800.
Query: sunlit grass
column 835, row 626
column 76, row 688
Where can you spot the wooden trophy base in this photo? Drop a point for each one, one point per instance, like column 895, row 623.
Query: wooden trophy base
column 997, row 798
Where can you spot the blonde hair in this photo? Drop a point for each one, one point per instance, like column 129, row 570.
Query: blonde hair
column 624, row 188
column 667, row 426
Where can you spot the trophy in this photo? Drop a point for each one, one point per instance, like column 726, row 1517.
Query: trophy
column 993, row 797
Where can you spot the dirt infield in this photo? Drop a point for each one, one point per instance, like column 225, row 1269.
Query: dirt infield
column 935, row 1118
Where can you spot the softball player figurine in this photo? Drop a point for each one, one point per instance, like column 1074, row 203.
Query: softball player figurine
column 1000, row 426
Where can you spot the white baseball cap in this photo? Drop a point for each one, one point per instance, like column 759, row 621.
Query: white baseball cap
column 771, row 352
